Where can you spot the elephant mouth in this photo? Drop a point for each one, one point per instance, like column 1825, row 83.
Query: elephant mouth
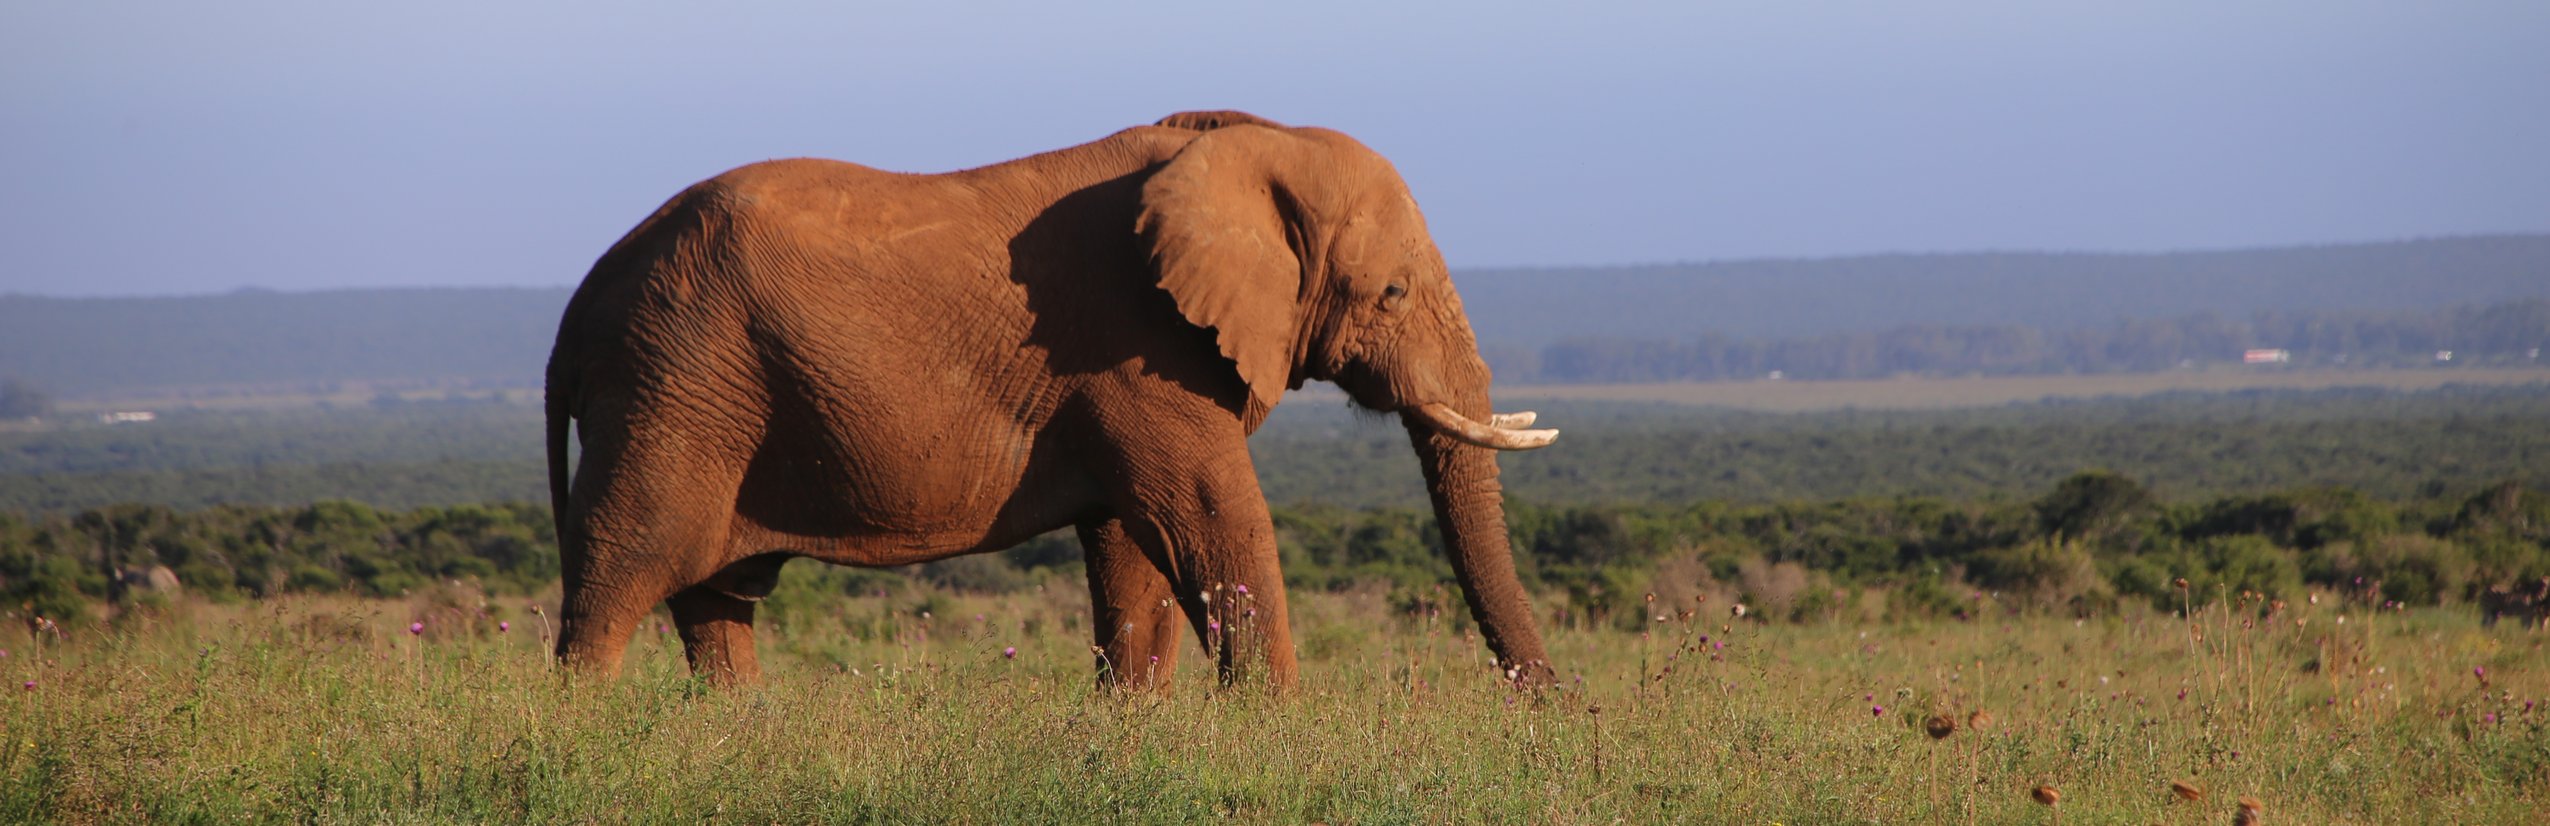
column 1503, row 431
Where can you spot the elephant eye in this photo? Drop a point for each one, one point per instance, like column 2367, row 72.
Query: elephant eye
column 1393, row 292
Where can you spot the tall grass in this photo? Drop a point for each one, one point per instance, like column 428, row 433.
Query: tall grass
column 332, row 711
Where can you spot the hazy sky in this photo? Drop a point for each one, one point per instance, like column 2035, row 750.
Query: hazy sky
column 198, row 147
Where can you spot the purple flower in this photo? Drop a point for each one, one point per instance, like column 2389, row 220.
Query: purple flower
column 1010, row 653
column 1241, row 588
column 1214, row 626
column 1869, row 698
column 30, row 685
column 1876, row 711
column 2489, row 718
column 415, row 628
column 502, row 626
column 2479, row 671
column 2182, row 694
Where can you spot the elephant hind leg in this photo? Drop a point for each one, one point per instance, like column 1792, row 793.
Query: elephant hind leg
column 717, row 635
column 1135, row 608
column 715, row 618
column 635, row 538
column 595, row 622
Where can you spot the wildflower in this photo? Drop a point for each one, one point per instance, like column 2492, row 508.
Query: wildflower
column 1939, row 726
column 2182, row 694
column 2047, row 795
column 2251, row 812
column 2186, row 790
column 1214, row 626
column 1241, row 588
column 2489, row 718
column 415, row 628
column 1877, row 711
column 1010, row 653
column 503, row 626
column 30, row 685
column 1739, row 610
column 2179, row 583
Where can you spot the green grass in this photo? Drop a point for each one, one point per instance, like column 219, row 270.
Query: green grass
column 329, row 711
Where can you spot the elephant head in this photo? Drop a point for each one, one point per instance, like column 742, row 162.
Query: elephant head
column 1304, row 253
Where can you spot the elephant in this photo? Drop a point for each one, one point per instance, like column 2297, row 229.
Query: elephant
column 812, row 358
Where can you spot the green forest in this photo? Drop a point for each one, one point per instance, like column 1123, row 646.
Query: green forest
column 2088, row 544
column 2081, row 506
column 2389, row 445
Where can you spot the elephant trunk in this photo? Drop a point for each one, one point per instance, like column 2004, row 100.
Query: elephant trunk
column 1469, row 504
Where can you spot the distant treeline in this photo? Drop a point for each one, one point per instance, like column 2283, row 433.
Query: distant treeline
column 2094, row 541
column 2389, row 445
column 2506, row 333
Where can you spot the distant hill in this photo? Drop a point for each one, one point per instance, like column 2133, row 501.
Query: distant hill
column 75, row 347
column 2056, row 291
column 106, row 347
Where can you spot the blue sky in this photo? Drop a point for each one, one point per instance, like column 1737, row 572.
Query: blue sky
column 150, row 148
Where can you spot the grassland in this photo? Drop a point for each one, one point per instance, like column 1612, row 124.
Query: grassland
column 1932, row 393
column 332, row 711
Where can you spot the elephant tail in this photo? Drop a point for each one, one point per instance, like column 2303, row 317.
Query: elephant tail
column 560, row 390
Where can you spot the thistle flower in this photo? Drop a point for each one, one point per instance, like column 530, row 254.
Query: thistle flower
column 503, row 626
column 1876, row 711
column 1241, row 588
column 30, row 686
column 415, row 628
column 1010, row 653
column 2186, row 789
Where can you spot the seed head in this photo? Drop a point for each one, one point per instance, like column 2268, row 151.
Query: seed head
column 2186, row 789
column 2179, row 583
column 1979, row 720
column 2046, row 795
column 1939, row 726
column 2251, row 813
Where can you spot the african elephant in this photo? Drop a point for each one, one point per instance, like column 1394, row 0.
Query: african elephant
column 813, row 358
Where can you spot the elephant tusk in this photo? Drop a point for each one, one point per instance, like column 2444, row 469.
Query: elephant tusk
column 1457, row 426
column 1510, row 421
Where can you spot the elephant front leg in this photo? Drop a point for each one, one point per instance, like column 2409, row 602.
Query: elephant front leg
column 1211, row 526
column 1135, row 608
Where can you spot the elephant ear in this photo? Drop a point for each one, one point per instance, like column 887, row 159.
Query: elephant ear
column 1215, row 119
column 1221, row 225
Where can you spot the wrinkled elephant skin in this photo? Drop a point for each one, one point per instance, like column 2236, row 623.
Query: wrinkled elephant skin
column 808, row 358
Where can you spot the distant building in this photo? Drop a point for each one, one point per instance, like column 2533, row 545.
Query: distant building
column 127, row 416
column 2266, row 357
